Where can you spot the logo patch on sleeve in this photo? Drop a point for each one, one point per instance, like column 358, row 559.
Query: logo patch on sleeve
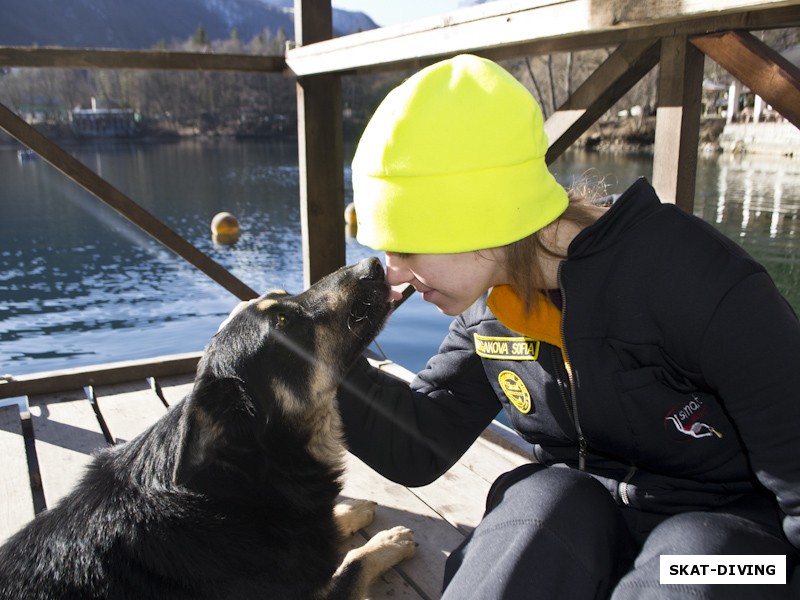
column 506, row 348
column 515, row 391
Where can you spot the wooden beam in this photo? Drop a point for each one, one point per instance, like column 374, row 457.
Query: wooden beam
column 50, row 382
column 84, row 58
column 680, row 88
column 65, row 434
column 321, row 152
column 503, row 29
column 601, row 90
column 15, row 485
column 759, row 67
column 108, row 194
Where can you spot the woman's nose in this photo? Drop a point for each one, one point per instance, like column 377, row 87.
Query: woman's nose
column 396, row 273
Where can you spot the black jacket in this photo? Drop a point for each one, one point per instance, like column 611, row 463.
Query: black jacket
column 675, row 378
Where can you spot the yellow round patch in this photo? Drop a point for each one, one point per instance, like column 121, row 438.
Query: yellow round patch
column 515, row 391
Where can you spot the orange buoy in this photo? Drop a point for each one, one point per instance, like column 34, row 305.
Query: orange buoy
column 350, row 214
column 350, row 221
column 224, row 228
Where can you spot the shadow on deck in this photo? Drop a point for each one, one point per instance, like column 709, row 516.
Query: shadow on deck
column 46, row 448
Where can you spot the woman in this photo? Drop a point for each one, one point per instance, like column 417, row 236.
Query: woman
column 649, row 360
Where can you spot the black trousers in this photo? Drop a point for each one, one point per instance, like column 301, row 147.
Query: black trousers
column 553, row 532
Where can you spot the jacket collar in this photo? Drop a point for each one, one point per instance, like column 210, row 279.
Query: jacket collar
column 637, row 203
column 543, row 323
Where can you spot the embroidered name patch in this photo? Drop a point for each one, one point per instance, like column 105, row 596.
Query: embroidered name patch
column 515, row 391
column 506, row 348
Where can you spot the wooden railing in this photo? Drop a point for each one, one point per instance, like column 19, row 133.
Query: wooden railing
column 645, row 32
column 91, row 181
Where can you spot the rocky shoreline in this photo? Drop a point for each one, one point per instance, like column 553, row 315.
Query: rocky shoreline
column 623, row 135
column 637, row 134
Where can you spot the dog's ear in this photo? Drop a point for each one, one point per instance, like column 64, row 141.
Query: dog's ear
column 203, row 435
column 197, row 446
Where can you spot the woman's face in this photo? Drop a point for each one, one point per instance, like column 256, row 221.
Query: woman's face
column 452, row 282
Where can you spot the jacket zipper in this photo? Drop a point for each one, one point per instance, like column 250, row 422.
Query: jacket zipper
column 582, row 445
column 623, row 487
column 557, row 357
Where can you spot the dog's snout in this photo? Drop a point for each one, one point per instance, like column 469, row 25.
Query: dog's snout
column 371, row 268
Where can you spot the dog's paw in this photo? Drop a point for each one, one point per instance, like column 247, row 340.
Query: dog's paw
column 383, row 551
column 389, row 547
column 352, row 515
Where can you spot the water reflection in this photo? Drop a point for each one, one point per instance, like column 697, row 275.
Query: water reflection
column 80, row 285
column 753, row 197
column 756, row 202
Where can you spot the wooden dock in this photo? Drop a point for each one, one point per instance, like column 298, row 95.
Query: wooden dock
column 46, row 448
column 69, row 416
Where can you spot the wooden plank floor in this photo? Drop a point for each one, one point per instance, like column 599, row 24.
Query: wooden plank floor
column 46, row 449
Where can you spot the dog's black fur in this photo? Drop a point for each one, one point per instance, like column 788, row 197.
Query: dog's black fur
column 231, row 494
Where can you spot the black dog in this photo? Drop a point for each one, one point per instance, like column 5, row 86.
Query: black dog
column 232, row 493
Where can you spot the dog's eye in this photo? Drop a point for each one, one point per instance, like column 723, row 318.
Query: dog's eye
column 280, row 321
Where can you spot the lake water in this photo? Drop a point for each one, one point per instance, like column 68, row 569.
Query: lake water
column 79, row 285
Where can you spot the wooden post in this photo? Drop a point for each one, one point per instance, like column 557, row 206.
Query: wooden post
column 321, row 153
column 680, row 89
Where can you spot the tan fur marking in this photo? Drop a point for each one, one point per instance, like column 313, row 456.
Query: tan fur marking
column 290, row 404
column 383, row 551
column 236, row 310
column 317, row 413
column 266, row 304
column 211, row 427
column 352, row 514
column 327, row 439
column 210, row 432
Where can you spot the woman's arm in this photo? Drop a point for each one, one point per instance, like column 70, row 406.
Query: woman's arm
column 751, row 356
column 413, row 434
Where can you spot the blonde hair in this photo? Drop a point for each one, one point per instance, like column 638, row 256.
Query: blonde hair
column 523, row 257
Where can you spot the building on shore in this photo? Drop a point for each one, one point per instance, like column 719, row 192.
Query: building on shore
column 98, row 122
column 754, row 126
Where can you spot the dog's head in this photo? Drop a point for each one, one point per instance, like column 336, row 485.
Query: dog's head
column 272, row 372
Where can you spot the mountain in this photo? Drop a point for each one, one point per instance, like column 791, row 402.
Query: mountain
column 141, row 24
column 344, row 21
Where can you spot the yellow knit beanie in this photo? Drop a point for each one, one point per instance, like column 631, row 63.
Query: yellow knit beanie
column 453, row 161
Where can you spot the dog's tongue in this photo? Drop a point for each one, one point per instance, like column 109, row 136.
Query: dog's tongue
column 395, row 294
